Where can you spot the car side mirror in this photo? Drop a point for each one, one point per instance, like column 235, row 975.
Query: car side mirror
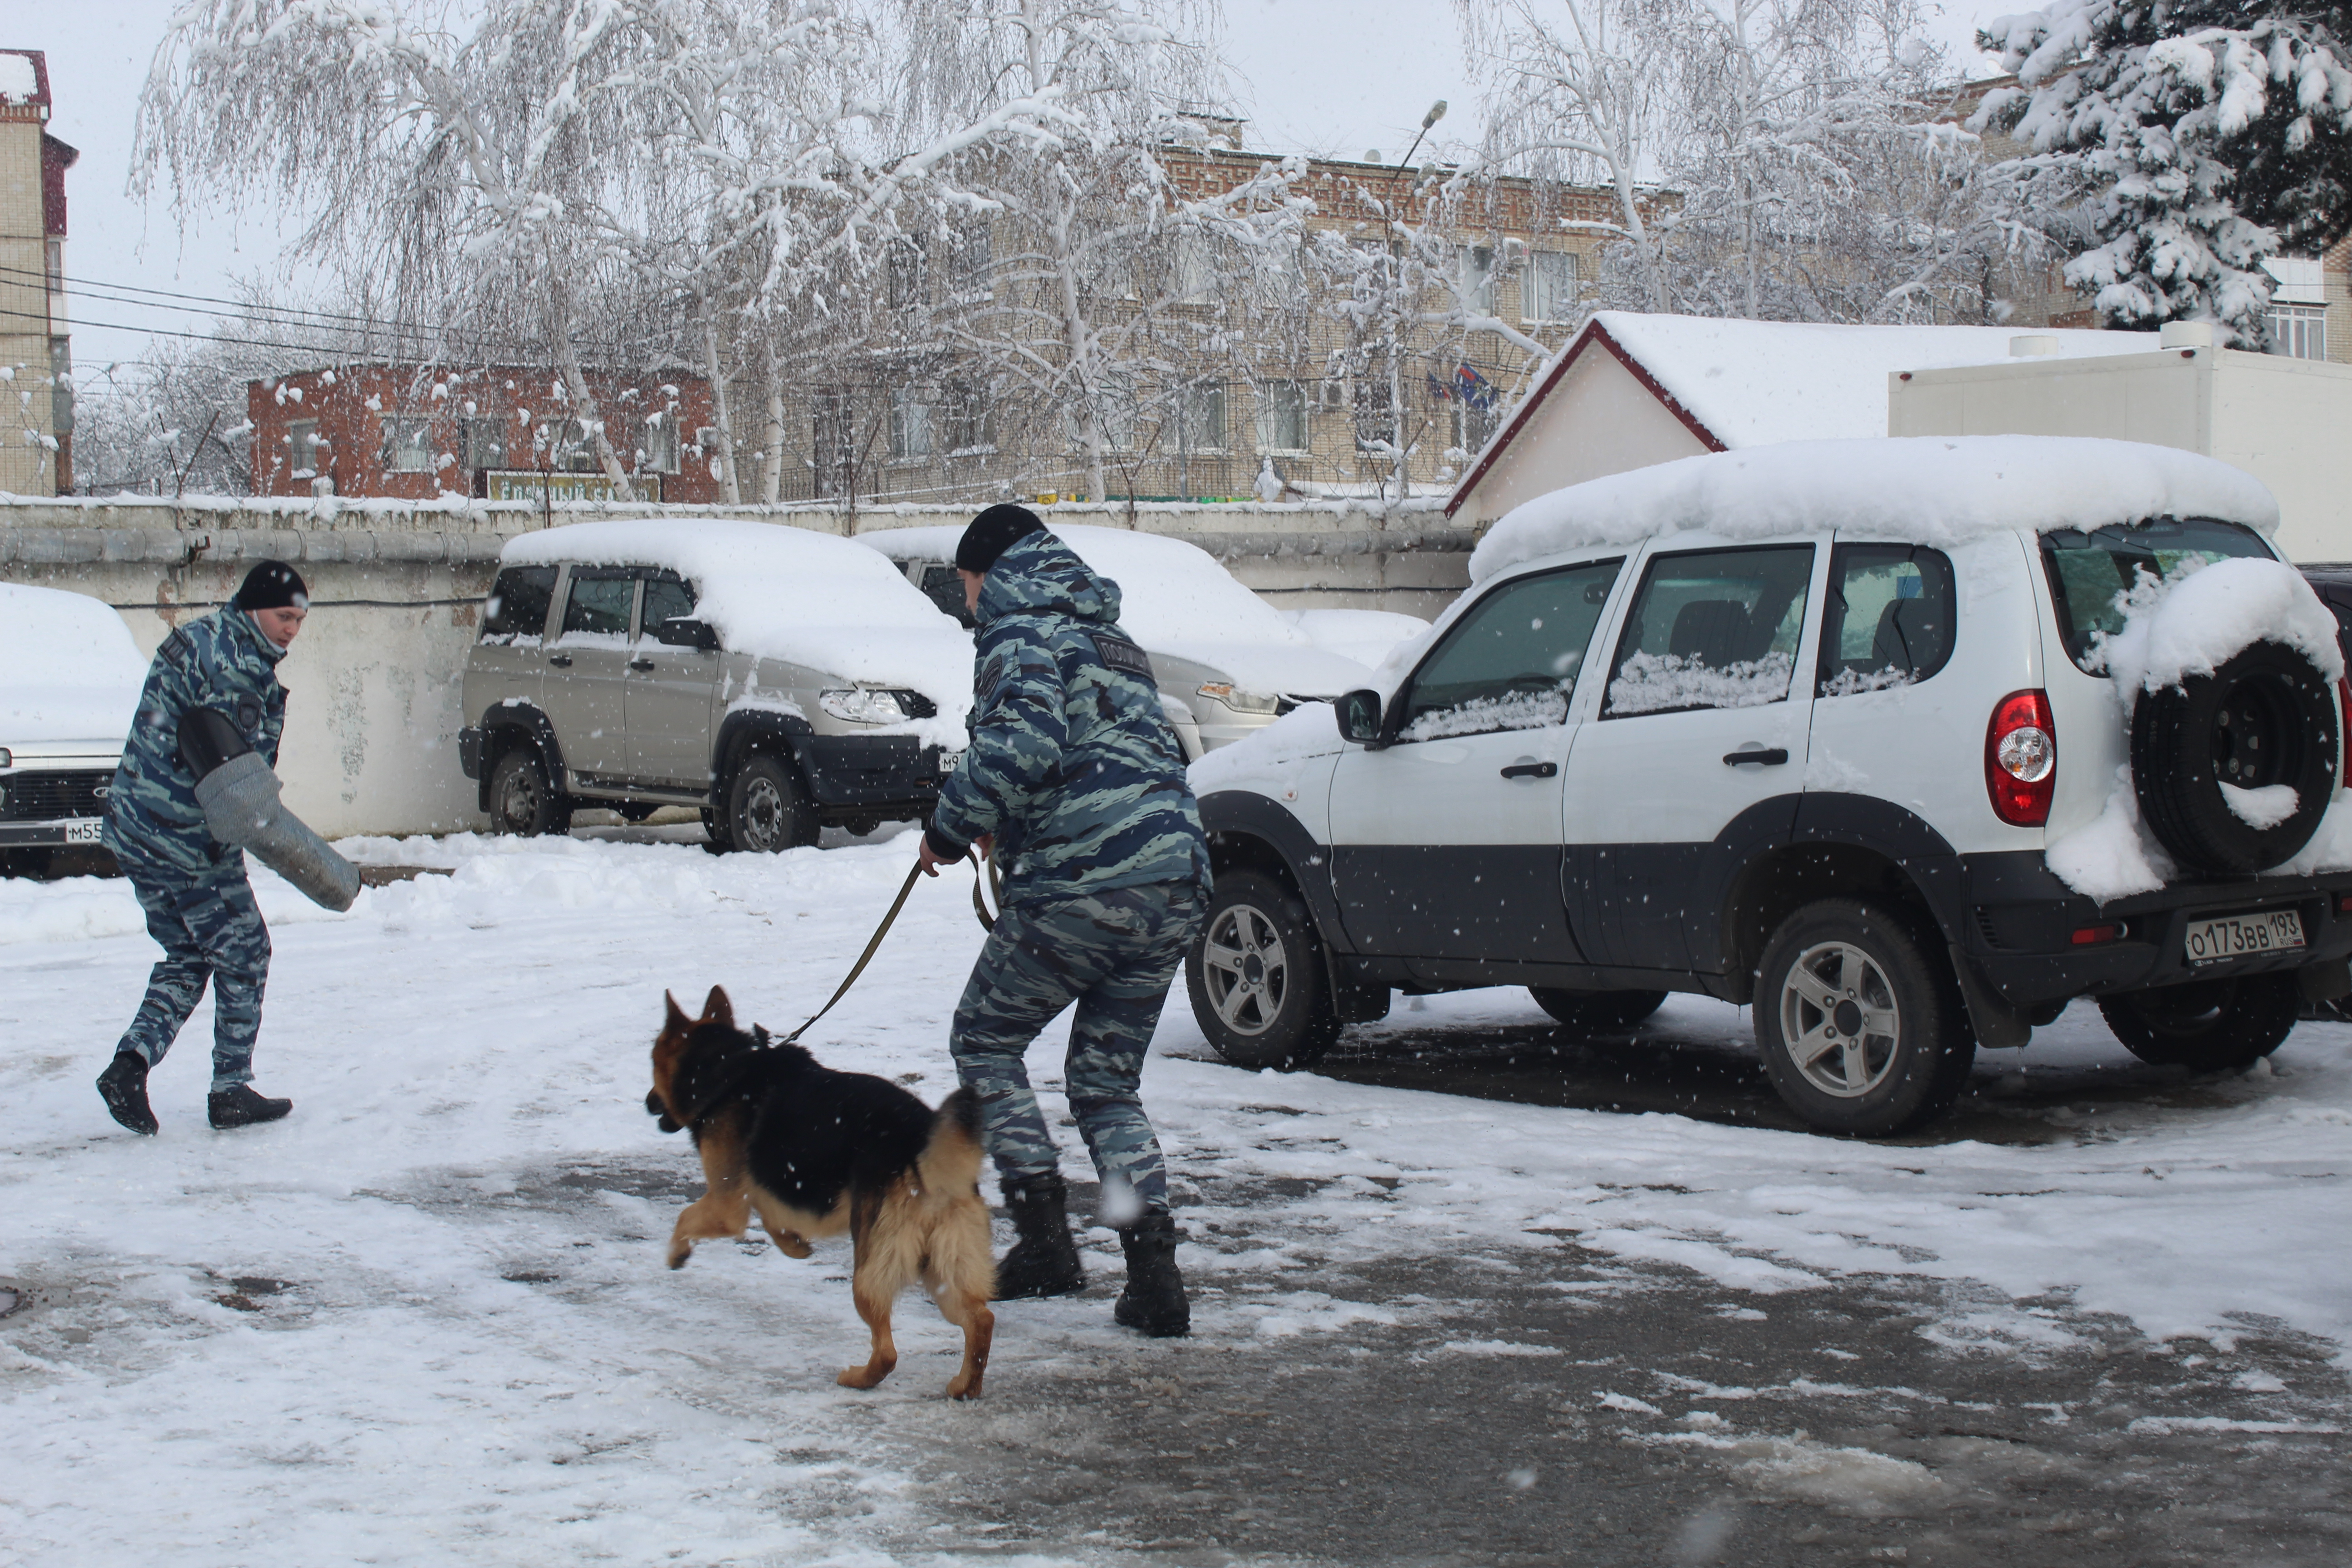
column 1359, row 718
column 681, row 631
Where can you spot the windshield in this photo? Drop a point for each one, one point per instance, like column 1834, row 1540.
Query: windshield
column 2090, row 573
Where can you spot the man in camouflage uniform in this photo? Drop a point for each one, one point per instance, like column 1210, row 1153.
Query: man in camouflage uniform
column 199, row 906
column 1076, row 776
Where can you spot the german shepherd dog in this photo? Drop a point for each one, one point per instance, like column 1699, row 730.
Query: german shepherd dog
column 818, row 1152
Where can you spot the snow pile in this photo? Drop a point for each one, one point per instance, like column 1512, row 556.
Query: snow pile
column 787, row 593
column 2115, row 855
column 1365, row 635
column 1754, row 383
column 2194, row 621
column 72, row 672
column 1929, row 490
column 19, row 83
column 2191, row 624
column 1176, row 599
column 1654, row 682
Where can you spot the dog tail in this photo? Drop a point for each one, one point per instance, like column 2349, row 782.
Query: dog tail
column 949, row 1162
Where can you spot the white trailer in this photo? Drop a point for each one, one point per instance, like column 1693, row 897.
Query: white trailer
column 2288, row 422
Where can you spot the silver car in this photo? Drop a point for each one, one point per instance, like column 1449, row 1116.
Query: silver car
column 1227, row 663
column 776, row 679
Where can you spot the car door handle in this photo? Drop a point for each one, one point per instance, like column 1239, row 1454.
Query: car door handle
column 1531, row 770
column 560, row 661
column 641, row 664
column 1772, row 758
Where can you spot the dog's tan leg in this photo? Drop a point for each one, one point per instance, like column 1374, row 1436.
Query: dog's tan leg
column 967, row 1310
column 791, row 1243
column 873, row 1296
column 719, row 1214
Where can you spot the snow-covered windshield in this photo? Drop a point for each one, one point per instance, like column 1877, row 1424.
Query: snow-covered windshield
column 2091, row 572
column 72, row 671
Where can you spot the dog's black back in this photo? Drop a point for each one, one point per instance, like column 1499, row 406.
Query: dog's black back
column 814, row 1133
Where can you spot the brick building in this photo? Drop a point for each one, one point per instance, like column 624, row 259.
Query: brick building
column 412, row 432
column 36, row 349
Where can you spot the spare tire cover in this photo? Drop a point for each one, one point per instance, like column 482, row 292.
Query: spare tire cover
column 2207, row 757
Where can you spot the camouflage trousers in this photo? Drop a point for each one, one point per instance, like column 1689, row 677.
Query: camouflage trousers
column 1113, row 953
column 210, row 930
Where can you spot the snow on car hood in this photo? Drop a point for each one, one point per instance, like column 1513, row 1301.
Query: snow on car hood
column 73, row 672
column 1175, row 598
column 1368, row 637
column 1931, row 489
column 784, row 592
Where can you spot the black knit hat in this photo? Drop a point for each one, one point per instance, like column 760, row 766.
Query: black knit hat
column 992, row 533
column 272, row 585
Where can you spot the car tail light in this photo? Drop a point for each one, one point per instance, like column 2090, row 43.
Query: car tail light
column 2344, row 903
column 2343, row 727
column 2022, row 759
column 2091, row 936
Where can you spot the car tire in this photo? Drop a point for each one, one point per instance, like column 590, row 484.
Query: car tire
column 1255, row 976
column 2207, row 1025
column 1597, row 1011
column 523, row 801
column 766, row 811
column 1850, row 981
column 2266, row 716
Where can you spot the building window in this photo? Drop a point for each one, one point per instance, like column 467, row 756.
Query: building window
column 969, row 264
column 1548, row 293
column 1114, row 400
column 910, row 280
column 1204, row 428
column 2299, row 332
column 407, row 445
column 1281, row 417
column 1475, row 279
column 658, row 452
column 306, row 454
column 833, row 440
column 970, row 420
column 910, row 426
column 573, row 454
column 483, row 441
column 1375, row 405
column 1195, row 280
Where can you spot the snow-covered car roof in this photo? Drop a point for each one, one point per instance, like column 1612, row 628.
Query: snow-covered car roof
column 73, row 672
column 1931, row 489
column 784, row 592
column 1176, row 598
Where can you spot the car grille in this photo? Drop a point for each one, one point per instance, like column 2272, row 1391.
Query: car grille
column 39, row 796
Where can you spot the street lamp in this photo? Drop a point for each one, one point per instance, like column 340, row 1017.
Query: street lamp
column 1436, row 113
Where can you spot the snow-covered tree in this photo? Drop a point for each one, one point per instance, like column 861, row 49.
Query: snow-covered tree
column 1773, row 159
column 2205, row 137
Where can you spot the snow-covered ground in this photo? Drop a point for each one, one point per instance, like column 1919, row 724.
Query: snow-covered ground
column 426, row 1319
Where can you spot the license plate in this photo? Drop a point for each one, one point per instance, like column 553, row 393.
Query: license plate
column 2243, row 936
column 84, row 830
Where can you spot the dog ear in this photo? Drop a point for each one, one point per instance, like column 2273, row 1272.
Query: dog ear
column 759, row 1036
column 718, row 1010
column 677, row 1018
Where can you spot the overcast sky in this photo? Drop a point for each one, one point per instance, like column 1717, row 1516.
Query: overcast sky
column 1334, row 77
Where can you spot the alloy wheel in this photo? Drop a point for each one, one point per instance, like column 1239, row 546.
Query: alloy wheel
column 1246, row 969
column 1840, row 1020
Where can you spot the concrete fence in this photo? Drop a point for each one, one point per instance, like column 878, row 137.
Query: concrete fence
column 396, row 587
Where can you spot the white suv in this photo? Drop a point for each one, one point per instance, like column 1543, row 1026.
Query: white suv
column 1829, row 727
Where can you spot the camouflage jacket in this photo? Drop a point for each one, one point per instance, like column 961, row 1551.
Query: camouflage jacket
column 220, row 661
column 1072, row 764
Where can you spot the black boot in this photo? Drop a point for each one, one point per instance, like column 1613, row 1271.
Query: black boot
column 1153, row 1301
column 241, row 1105
column 124, row 1086
column 1044, row 1261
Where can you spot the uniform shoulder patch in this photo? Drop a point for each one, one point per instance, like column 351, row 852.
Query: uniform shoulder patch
column 1123, row 656
column 179, row 650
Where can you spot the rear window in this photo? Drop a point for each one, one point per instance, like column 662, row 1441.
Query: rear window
column 2091, row 572
column 518, row 604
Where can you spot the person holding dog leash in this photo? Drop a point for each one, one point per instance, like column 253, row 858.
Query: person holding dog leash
column 1075, row 783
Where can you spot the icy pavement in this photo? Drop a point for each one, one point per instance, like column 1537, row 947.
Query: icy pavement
column 425, row 1319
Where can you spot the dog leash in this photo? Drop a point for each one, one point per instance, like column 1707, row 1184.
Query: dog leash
column 982, row 871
